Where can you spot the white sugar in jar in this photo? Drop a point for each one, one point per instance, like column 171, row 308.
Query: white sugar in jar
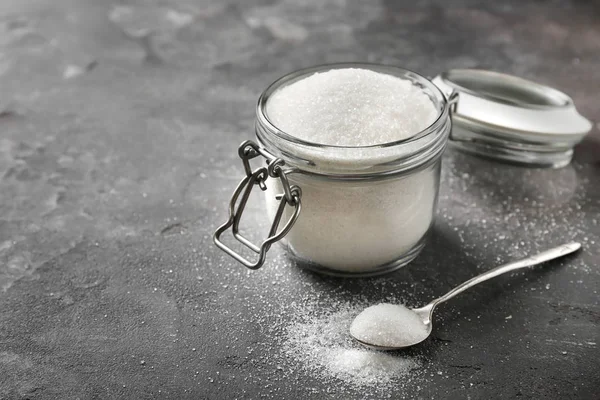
column 354, row 155
column 385, row 229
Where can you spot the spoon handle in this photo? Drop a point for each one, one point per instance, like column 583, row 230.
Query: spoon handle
column 526, row 262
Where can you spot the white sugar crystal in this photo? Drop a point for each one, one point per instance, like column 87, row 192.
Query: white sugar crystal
column 323, row 346
column 351, row 107
column 365, row 366
column 389, row 325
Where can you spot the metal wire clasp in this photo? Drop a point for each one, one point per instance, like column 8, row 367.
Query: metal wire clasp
column 453, row 101
column 291, row 196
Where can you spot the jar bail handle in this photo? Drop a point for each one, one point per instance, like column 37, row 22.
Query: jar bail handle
column 452, row 99
column 291, row 196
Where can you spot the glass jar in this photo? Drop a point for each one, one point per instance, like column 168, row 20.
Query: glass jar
column 351, row 211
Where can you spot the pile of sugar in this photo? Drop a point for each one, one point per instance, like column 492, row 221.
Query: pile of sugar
column 351, row 107
column 389, row 325
column 322, row 345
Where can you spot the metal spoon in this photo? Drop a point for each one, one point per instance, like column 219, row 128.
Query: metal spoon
column 425, row 313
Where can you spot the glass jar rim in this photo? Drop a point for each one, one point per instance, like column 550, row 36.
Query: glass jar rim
column 263, row 119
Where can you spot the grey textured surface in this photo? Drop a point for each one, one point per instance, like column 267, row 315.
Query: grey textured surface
column 119, row 124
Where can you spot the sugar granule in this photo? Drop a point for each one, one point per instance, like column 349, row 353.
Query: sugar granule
column 389, row 325
column 351, row 107
column 322, row 345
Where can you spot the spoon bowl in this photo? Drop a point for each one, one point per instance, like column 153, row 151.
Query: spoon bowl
column 372, row 317
column 424, row 313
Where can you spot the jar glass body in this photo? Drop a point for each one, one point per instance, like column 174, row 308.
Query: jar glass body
column 365, row 210
column 360, row 227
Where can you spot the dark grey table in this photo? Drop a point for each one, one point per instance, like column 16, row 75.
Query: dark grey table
column 119, row 123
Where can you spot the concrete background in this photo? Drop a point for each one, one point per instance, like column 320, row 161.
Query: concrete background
column 119, row 124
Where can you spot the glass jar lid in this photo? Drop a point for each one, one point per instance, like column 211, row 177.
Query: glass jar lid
column 512, row 119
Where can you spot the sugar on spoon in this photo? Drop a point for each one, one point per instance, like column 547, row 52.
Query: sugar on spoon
column 393, row 327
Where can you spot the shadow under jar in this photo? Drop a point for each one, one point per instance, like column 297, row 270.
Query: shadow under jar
column 365, row 210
